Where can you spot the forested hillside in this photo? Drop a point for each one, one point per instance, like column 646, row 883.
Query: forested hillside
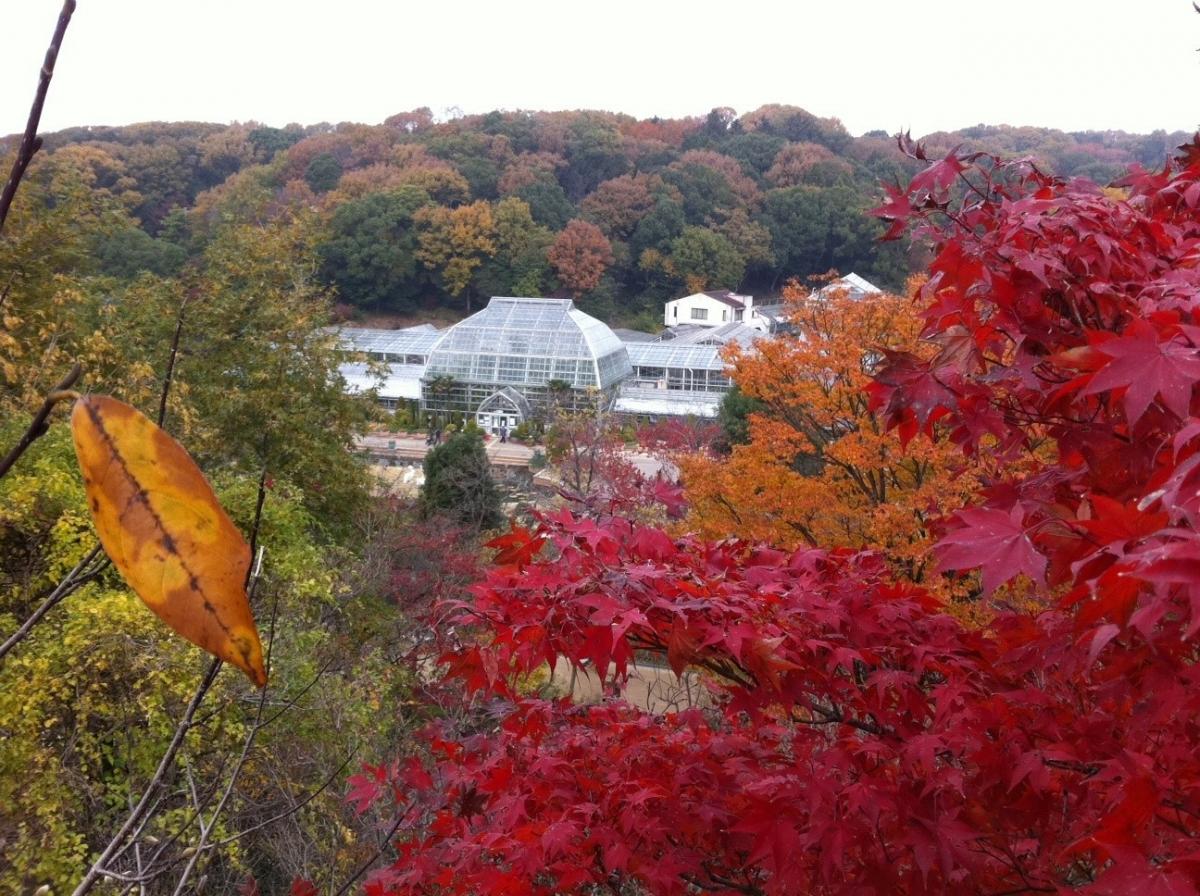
column 619, row 213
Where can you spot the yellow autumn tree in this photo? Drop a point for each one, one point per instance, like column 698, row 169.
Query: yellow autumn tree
column 455, row 241
column 819, row 467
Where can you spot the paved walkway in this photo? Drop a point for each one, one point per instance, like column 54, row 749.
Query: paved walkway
column 388, row 446
column 392, row 446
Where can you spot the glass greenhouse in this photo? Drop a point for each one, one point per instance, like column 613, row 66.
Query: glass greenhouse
column 518, row 356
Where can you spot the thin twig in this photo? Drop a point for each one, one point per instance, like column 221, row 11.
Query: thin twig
column 257, row 726
column 295, row 698
column 30, row 141
column 117, row 844
column 291, row 810
column 365, row 866
column 153, row 873
column 157, row 870
column 168, row 758
column 258, row 509
column 39, row 426
column 75, row 580
column 166, row 386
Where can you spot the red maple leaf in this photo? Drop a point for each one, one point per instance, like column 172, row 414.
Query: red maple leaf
column 365, row 788
column 1145, row 364
column 996, row 543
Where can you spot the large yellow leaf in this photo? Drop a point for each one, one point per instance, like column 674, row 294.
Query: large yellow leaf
column 161, row 525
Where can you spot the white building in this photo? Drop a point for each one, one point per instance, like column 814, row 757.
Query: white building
column 722, row 307
column 712, row 309
column 520, row 356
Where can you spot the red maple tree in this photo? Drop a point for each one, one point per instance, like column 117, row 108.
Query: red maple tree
column 858, row 739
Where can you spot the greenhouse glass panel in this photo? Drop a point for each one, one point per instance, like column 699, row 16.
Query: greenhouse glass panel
column 528, row 342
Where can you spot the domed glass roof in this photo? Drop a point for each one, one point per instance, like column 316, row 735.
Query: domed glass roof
column 529, row 342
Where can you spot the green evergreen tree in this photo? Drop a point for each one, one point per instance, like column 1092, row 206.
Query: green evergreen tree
column 459, row 484
column 323, row 173
column 734, row 416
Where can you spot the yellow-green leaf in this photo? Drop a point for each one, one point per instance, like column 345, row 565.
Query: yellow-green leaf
column 163, row 528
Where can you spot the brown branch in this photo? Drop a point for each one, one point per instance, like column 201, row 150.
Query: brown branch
column 39, row 427
column 724, row 502
column 75, row 580
column 30, row 141
column 135, row 817
column 363, row 868
column 833, row 715
column 166, row 386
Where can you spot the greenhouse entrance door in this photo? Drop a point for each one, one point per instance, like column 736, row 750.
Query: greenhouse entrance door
column 502, row 411
column 493, row 423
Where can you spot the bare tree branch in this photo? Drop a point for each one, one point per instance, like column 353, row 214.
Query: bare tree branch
column 168, row 758
column 206, row 827
column 39, row 426
column 167, row 377
column 30, row 141
column 76, row 579
column 365, row 866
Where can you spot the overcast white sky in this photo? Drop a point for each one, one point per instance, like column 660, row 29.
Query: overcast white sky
column 892, row 64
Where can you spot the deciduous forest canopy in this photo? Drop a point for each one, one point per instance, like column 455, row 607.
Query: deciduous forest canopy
column 621, row 213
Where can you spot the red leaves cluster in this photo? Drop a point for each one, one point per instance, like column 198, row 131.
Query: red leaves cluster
column 1068, row 320
column 680, row 434
column 862, row 741
column 858, row 740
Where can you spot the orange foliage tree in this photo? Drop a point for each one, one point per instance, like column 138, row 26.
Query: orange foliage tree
column 580, row 254
column 820, row 467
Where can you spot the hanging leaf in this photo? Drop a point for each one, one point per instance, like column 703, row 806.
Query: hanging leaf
column 161, row 525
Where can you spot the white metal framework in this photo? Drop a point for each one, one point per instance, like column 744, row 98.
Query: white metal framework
column 505, row 408
column 411, row 346
column 521, row 357
column 531, row 342
column 672, row 367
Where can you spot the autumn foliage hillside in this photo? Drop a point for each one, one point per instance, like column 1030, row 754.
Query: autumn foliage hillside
column 418, row 214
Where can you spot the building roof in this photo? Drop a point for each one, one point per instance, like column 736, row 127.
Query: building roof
column 674, row 332
column 412, row 341
column 734, row 331
column 728, row 296
column 853, row 284
column 627, row 335
column 634, row 400
column 530, row 341
column 672, row 354
column 773, row 313
column 399, row 380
